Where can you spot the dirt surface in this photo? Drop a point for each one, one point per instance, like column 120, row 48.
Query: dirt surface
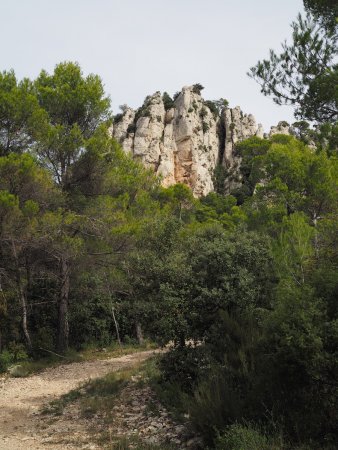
column 21, row 399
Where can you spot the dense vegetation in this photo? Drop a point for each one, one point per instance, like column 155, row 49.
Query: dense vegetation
column 94, row 251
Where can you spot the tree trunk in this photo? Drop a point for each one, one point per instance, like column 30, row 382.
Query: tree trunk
column 139, row 333
column 63, row 326
column 116, row 326
column 2, row 310
column 316, row 236
column 113, row 311
column 22, row 296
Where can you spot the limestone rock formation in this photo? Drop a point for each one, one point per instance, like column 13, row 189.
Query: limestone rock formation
column 185, row 141
column 281, row 128
column 237, row 127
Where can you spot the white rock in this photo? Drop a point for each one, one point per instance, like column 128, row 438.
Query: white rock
column 282, row 128
column 183, row 144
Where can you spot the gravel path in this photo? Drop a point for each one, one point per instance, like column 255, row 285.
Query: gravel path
column 21, row 398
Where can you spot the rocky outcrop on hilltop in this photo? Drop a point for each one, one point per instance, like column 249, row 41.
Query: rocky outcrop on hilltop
column 184, row 140
column 281, row 128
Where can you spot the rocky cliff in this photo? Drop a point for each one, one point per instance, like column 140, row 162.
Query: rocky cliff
column 184, row 140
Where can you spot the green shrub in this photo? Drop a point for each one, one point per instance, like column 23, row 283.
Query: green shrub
column 6, row 359
column 217, row 403
column 197, row 88
column 203, row 112
column 118, row 118
column 18, row 371
column 184, row 365
column 167, row 101
column 205, row 127
column 241, row 437
column 283, row 139
column 213, row 108
column 219, row 177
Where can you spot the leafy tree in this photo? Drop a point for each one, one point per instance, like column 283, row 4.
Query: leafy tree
column 325, row 11
column 64, row 245
column 281, row 176
column 304, row 74
column 218, row 273
column 113, row 193
column 76, row 107
column 167, row 101
column 300, row 335
column 21, row 117
column 221, row 104
column 310, row 178
column 179, row 199
column 25, row 192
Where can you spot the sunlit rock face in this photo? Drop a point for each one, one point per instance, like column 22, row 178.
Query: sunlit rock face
column 183, row 143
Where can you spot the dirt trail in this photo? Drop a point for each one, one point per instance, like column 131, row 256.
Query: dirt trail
column 22, row 398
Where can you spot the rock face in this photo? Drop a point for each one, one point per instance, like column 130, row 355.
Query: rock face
column 281, row 128
column 184, row 141
column 238, row 126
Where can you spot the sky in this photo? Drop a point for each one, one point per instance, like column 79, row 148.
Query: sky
column 139, row 47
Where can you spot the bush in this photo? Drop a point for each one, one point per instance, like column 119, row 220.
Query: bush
column 213, row 108
column 219, row 177
column 16, row 353
column 217, row 403
column 241, row 437
column 118, row 118
column 18, row 371
column 184, row 365
column 6, row 359
column 203, row 112
column 167, row 101
column 205, row 127
column 197, row 88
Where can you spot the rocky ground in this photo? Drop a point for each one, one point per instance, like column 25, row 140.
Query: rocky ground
column 139, row 413
column 136, row 412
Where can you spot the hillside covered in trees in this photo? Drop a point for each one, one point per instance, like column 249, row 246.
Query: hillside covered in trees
column 243, row 282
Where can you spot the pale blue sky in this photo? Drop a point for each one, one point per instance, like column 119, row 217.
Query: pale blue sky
column 141, row 46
